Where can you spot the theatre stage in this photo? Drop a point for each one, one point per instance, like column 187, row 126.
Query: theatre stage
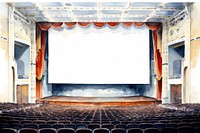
column 103, row 101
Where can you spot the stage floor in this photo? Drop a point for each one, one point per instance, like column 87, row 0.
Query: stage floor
column 104, row 101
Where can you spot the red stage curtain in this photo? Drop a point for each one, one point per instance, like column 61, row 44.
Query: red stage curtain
column 40, row 64
column 38, row 40
column 40, row 57
column 99, row 24
column 159, row 89
column 112, row 24
column 127, row 24
column 158, row 66
column 57, row 24
column 38, row 88
column 84, row 24
column 70, row 24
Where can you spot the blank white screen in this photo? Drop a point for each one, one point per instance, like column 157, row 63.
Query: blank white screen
column 99, row 56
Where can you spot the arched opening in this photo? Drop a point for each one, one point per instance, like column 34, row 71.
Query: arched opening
column 185, row 74
column 13, row 84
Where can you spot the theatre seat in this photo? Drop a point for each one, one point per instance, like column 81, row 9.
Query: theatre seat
column 47, row 130
column 84, row 130
column 151, row 130
column 27, row 130
column 30, row 125
column 159, row 125
column 66, row 130
column 132, row 126
column 169, row 130
column 145, row 125
column 186, row 129
column 93, row 126
column 45, row 126
column 135, row 130
column 16, row 126
column 58, row 125
column 81, row 126
column 108, row 126
column 101, row 130
column 8, row 130
column 118, row 130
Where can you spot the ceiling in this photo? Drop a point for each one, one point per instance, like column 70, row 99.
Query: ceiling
column 99, row 11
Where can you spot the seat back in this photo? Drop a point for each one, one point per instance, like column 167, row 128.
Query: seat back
column 81, row 126
column 93, row 126
column 169, row 130
column 8, row 130
column 83, row 130
column 134, row 130
column 108, row 126
column 58, row 125
column 70, row 126
column 47, row 130
column 151, row 130
column 186, row 129
column 66, row 130
column 30, row 125
column 45, row 126
column 101, row 130
column 16, row 126
column 118, row 130
column 27, row 130
column 159, row 125
column 145, row 125
column 132, row 126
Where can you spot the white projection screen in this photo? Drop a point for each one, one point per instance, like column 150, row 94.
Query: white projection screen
column 99, row 55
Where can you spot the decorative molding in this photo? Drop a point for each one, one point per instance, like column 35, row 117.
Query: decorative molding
column 19, row 16
column 177, row 18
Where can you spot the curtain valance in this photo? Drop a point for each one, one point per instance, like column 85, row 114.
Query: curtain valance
column 46, row 25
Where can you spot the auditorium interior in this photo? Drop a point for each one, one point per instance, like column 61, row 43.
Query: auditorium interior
column 99, row 67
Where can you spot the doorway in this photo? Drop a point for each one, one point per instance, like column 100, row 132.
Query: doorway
column 176, row 93
column 22, row 94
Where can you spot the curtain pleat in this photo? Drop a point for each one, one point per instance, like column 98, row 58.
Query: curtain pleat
column 40, row 57
column 38, row 88
column 127, row 24
column 84, row 24
column 112, row 24
column 153, row 26
column 44, row 25
column 70, row 24
column 157, row 65
column 38, row 40
column 99, row 24
column 159, row 41
column 57, row 24
column 138, row 24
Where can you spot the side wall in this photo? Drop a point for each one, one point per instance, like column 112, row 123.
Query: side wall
column 190, row 36
column 195, row 53
column 4, row 53
column 11, row 21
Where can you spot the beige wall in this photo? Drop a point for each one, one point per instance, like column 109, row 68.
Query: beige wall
column 195, row 53
column 9, row 27
column 4, row 92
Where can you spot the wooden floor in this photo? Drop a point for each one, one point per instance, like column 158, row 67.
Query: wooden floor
column 104, row 101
